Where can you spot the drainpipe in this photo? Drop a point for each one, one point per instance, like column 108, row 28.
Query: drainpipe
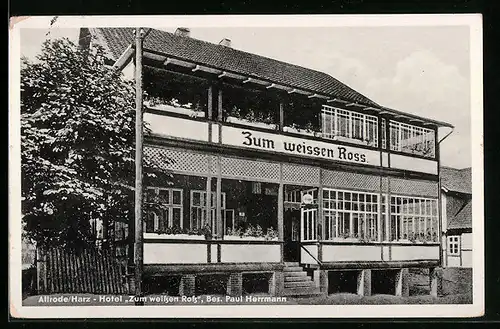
column 440, row 210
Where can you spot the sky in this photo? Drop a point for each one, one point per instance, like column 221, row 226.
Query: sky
column 424, row 70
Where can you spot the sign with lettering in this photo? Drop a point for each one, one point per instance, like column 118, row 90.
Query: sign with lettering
column 298, row 146
column 307, row 199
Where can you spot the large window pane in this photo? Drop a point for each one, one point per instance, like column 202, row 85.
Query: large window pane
column 354, row 217
column 412, row 139
column 413, row 219
column 254, row 206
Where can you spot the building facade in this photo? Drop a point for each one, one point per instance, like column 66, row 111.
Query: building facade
column 283, row 180
column 456, row 189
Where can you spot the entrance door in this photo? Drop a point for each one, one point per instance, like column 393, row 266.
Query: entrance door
column 308, row 224
column 291, row 245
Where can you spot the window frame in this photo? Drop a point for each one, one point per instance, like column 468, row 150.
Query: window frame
column 344, row 124
column 203, row 208
column 170, row 206
column 350, row 210
column 401, row 134
column 413, row 218
column 453, row 245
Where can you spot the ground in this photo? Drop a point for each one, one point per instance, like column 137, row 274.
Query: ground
column 457, row 289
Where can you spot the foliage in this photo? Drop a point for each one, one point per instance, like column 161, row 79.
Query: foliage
column 77, row 144
column 254, row 231
column 164, row 87
column 250, row 105
column 205, row 231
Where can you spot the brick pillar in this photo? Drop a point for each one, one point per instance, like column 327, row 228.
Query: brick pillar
column 277, row 284
column 364, row 283
column 187, row 285
column 402, row 285
column 316, row 278
column 436, row 281
column 323, row 281
column 235, row 284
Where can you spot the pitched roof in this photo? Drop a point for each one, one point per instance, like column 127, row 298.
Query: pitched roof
column 226, row 58
column 456, row 180
column 463, row 219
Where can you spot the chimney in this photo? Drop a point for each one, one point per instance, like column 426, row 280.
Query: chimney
column 183, row 32
column 225, row 42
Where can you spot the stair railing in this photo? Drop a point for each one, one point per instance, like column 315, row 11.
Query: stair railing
column 312, row 256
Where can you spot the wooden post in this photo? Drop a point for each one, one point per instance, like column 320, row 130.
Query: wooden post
column 387, row 133
column 281, row 200
column 138, row 243
column 364, row 282
column 220, row 225
column 219, row 105
column 219, row 170
column 210, row 102
column 320, row 220
column 41, row 269
column 436, row 281
column 208, row 200
column 282, row 115
column 402, row 284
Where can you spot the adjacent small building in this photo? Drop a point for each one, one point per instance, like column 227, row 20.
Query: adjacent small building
column 456, row 198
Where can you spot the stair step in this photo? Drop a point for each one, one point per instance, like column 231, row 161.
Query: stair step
column 294, row 273
column 296, row 278
column 301, row 291
column 306, row 284
column 292, row 269
column 292, row 264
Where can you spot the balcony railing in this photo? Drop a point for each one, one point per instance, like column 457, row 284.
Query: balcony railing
column 412, row 139
column 349, row 126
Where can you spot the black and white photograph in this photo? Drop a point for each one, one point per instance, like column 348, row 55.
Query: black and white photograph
column 246, row 166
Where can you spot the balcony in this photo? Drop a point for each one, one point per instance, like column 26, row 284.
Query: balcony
column 192, row 108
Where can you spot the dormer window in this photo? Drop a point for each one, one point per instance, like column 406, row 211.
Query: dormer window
column 344, row 125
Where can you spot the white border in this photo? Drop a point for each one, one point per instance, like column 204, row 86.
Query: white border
column 474, row 21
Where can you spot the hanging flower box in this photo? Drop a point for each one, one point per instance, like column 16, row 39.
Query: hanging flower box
column 301, row 131
column 246, row 122
column 248, row 238
column 180, row 109
column 181, row 236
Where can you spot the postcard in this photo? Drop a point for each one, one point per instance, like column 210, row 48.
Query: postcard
column 307, row 166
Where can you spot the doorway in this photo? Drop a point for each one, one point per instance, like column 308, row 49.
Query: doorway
column 291, row 246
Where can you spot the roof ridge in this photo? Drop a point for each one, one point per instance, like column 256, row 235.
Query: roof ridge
column 249, row 53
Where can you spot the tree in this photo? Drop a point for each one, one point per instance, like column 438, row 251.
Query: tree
column 77, row 144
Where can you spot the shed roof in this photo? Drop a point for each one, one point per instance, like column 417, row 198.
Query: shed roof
column 456, row 180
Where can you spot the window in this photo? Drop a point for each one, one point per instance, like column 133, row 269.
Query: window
column 413, row 219
column 355, row 215
column 253, row 208
column 343, row 124
column 164, row 209
column 454, row 245
column 199, row 209
column 412, row 139
column 350, row 214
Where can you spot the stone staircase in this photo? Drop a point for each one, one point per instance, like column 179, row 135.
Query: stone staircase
column 297, row 282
